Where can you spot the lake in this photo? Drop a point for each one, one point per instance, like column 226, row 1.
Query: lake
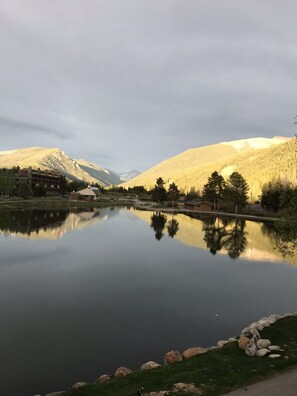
column 84, row 292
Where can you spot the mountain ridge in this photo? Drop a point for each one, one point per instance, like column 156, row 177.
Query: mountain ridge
column 192, row 167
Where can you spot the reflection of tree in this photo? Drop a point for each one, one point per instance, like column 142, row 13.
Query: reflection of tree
column 158, row 224
column 284, row 235
column 33, row 220
column 235, row 242
column 214, row 231
column 172, row 227
column 225, row 234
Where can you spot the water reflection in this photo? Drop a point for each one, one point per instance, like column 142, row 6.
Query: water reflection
column 172, row 227
column 45, row 224
column 285, row 236
column 234, row 237
column 227, row 234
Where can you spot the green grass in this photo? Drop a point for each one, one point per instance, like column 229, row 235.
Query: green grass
column 63, row 203
column 216, row 372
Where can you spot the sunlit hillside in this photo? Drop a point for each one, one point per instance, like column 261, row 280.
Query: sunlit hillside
column 258, row 160
column 57, row 160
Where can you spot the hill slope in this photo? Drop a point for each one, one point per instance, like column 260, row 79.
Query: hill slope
column 258, row 160
column 55, row 159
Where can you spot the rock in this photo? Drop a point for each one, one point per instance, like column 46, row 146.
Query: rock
column 212, row 347
column 160, row 393
column 103, row 378
column 274, row 355
column 262, row 352
column 221, row 343
column 79, row 385
column 274, row 317
column 122, row 372
column 232, row 339
column 243, row 342
column 287, row 314
column 150, row 365
column 251, row 348
column 186, row 388
column 275, row 348
column 190, row 352
column 255, row 334
column 172, row 357
column 263, row 343
column 56, row 393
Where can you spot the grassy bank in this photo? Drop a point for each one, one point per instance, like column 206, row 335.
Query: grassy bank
column 60, row 203
column 216, row 372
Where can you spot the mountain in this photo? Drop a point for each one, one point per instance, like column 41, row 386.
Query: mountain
column 129, row 175
column 258, row 160
column 106, row 176
column 57, row 160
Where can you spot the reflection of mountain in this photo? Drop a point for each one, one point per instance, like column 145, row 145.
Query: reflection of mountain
column 256, row 245
column 48, row 224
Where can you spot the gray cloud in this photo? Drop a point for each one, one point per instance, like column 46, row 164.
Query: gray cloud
column 135, row 82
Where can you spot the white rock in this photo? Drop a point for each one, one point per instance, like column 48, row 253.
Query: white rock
column 274, row 355
column 263, row 343
column 221, row 343
column 149, row 365
column 275, row 348
column 251, row 348
column 262, row 352
column 287, row 314
column 232, row 339
column 255, row 334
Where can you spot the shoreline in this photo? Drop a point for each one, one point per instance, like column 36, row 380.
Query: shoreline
column 106, row 202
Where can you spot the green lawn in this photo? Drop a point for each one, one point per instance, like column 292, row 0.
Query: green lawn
column 216, row 372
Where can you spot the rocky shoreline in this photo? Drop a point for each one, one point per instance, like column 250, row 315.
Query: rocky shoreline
column 249, row 341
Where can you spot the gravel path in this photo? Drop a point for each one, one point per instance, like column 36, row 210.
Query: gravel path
column 280, row 385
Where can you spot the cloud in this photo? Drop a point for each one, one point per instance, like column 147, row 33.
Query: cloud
column 25, row 128
column 131, row 83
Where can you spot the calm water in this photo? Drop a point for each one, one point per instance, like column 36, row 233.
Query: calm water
column 83, row 293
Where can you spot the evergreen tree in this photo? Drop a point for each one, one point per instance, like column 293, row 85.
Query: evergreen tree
column 214, row 188
column 173, row 193
column 237, row 190
column 158, row 192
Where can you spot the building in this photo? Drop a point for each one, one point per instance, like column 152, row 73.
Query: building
column 87, row 194
column 50, row 180
column 197, row 204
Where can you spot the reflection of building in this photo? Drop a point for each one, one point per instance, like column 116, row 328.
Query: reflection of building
column 50, row 180
column 198, row 205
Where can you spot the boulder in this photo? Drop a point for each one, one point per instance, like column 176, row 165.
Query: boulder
column 263, row 343
column 172, row 357
column 251, row 348
column 221, row 343
column 255, row 334
column 274, row 356
column 160, row 393
column 186, row 388
column 275, row 348
column 190, row 352
column 243, row 342
column 79, row 385
column 232, row 339
column 150, row 365
column 262, row 352
column 122, row 372
column 103, row 378
column 56, row 393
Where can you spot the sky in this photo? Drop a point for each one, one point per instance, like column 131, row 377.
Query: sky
column 129, row 83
